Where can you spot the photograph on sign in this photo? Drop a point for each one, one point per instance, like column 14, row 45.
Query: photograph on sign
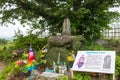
column 95, row 61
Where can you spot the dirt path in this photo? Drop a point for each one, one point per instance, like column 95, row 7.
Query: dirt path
column 2, row 65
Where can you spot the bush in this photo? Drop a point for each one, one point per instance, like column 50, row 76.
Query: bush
column 117, row 71
column 25, row 41
column 6, row 56
column 9, row 71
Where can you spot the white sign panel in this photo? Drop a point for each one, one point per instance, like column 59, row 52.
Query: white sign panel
column 95, row 61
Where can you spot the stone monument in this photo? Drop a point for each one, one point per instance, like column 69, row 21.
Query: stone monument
column 63, row 43
column 66, row 27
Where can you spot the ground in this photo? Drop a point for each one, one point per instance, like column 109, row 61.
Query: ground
column 2, row 65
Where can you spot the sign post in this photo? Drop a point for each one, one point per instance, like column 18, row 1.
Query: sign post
column 95, row 61
column 114, row 76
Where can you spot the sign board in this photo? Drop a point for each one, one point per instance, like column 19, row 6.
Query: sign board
column 95, row 61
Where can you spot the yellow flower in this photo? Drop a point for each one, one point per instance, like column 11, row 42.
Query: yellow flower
column 42, row 55
column 42, row 51
column 25, row 55
column 70, row 58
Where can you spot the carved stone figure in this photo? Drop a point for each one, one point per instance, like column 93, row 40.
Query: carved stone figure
column 66, row 27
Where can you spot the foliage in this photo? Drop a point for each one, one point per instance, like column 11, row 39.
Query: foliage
column 81, row 76
column 63, row 77
column 96, row 47
column 88, row 17
column 41, row 58
column 117, row 71
column 9, row 71
column 32, row 39
column 3, row 42
column 113, row 43
column 7, row 46
column 7, row 56
column 77, row 42
column 92, row 45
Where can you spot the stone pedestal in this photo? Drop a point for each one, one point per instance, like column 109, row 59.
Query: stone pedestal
column 49, row 76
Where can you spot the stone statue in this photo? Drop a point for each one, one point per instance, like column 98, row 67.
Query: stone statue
column 66, row 27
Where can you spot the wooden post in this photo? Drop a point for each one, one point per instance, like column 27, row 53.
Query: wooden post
column 114, row 77
column 71, row 72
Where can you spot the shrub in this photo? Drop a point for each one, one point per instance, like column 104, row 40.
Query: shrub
column 6, row 56
column 117, row 71
column 25, row 41
column 9, row 71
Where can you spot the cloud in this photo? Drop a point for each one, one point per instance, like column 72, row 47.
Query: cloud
column 9, row 32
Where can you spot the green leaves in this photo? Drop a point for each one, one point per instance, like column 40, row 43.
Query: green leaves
column 33, row 39
column 117, row 66
column 9, row 70
column 88, row 17
column 3, row 42
column 81, row 76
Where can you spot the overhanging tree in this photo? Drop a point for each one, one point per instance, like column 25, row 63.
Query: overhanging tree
column 88, row 17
